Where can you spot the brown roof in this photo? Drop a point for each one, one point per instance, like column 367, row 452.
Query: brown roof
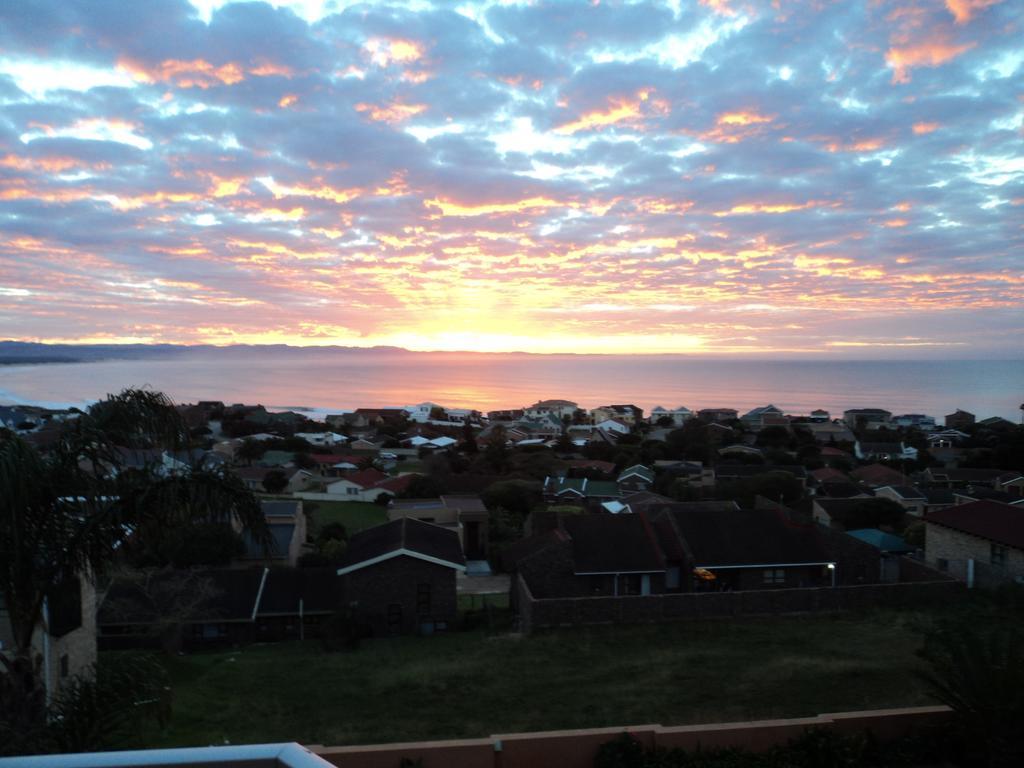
column 828, row 473
column 366, row 478
column 879, row 474
column 992, row 520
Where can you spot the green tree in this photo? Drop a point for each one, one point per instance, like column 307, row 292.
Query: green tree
column 275, row 481
column 67, row 512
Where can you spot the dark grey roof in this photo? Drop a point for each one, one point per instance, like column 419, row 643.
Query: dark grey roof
column 407, row 534
column 746, row 537
column 938, row 495
column 280, row 508
column 749, row 470
column 231, row 595
column 613, row 544
column 317, row 588
column 907, row 492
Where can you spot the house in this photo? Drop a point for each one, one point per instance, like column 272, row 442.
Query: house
column 298, row 479
column 764, row 416
column 513, row 414
column 674, row 548
column 960, row 419
column 286, row 522
column 964, row 477
column 867, row 418
column 937, row 498
column 465, row 514
column 915, row 420
column 678, row 416
column 717, row 415
column 979, row 542
column 560, row 409
column 829, row 432
column 367, row 485
column 877, row 475
column 733, row 472
column 613, row 426
column 635, row 478
column 66, row 643
column 400, row 577
column 627, row 414
column 872, row 451
column 820, row 415
column 573, row 490
column 844, row 514
column 741, row 450
column 910, row 498
column 217, row 607
column 694, row 473
column 322, row 439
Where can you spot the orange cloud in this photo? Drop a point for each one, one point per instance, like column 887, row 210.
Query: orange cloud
column 449, row 208
column 895, row 223
column 748, row 208
column 197, row 73
column 627, row 109
column 391, row 113
column 733, row 127
column 287, row 100
column 930, row 53
column 386, row 51
column 963, row 10
column 922, row 128
column 860, row 145
column 721, row 7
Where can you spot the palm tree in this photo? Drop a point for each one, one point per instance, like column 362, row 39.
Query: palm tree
column 66, row 511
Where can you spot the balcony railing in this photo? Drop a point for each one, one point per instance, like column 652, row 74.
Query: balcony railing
column 243, row 756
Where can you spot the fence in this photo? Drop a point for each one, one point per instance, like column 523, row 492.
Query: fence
column 539, row 613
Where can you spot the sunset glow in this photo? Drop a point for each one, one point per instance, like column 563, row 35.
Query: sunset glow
column 703, row 177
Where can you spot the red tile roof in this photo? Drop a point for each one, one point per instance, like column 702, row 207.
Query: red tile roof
column 993, row 520
column 366, row 478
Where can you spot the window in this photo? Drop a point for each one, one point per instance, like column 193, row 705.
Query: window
column 352, row 491
column 422, row 598
column 997, row 556
column 774, row 576
column 64, row 665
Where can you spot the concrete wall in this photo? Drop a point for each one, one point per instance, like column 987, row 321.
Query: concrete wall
column 577, row 748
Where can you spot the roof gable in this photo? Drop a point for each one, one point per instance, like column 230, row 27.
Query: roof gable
column 403, row 537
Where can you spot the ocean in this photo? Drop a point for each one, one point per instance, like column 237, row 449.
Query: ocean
column 325, row 381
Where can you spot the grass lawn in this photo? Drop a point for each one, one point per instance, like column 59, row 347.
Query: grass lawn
column 470, row 684
column 354, row 515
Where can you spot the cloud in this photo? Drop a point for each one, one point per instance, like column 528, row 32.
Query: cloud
column 712, row 176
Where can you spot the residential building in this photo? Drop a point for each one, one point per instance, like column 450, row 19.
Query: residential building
column 913, row 500
column 717, row 415
column 873, row 451
column 678, row 416
column 867, row 418
column 65, row 641
column 960, row 419
column 466, row 515
column 627, row 414
column 820, row 415
column 572, row 490
column 764, row 416
column 982, row 541
column 561, row 409
column 400, row 577
column 915, row 420
column 635, row 479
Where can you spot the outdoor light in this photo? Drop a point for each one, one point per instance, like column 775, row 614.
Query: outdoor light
column 832, row 570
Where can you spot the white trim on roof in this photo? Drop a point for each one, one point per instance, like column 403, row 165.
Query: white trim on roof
column 760, row 565
column 398, row 553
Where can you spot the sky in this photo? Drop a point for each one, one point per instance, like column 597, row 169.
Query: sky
column 720, row 177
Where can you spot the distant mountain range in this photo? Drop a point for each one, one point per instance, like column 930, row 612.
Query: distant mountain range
column 27, row 352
